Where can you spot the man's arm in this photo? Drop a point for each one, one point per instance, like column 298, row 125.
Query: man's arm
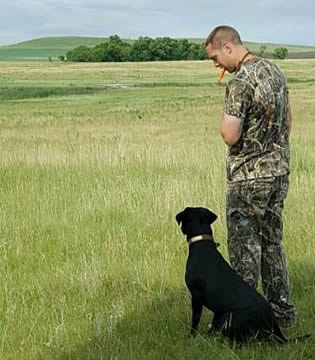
column 230, row 129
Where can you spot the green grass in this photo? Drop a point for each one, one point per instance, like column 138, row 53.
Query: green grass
column 92, row 261
column 18, row 93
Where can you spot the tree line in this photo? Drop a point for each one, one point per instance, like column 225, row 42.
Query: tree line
column 142, row 49
column 148, row 49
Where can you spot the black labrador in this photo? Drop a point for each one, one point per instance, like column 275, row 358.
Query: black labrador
column 240, row 312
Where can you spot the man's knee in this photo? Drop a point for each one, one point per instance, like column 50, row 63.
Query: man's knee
column 245, row 258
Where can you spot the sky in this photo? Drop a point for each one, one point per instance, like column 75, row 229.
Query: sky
column 271, row 21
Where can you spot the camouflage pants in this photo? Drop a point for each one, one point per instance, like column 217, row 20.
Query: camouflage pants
column 254, row 220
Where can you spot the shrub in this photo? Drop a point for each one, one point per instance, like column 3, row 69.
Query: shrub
column 280, row 53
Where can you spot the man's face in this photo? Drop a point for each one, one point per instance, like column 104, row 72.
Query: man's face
column 221, row 57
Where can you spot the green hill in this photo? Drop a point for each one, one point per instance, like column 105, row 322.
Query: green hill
column 64, row 42
column 43, row 48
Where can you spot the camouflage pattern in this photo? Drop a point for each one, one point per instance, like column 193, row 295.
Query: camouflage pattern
column 258, row 95
column 254, row 219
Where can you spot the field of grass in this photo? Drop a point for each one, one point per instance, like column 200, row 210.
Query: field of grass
column 43, row 48
column 96, row 160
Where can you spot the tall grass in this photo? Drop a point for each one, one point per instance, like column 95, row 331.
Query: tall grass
column 18, row 93
column 92, row 261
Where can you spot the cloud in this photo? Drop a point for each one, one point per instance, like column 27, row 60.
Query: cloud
column 284, row 21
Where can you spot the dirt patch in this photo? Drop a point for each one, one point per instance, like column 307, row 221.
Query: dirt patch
column 295, row 55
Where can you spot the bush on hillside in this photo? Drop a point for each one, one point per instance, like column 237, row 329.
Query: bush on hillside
column 280, row 53
column 260, row 52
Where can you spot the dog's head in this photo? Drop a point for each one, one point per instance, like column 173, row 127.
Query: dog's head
column 196, row 221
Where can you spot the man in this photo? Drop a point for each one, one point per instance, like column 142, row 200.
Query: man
column 256, row 127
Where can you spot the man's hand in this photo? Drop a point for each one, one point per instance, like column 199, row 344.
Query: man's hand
column 230, row 129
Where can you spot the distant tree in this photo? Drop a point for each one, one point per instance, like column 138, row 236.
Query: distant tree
column 99, row 52
column 194, row 51
column 202, row 54
column 49, row 58
column 141, row 49
column 164, row 49
column 79, row 54
column 182, row 49
column 125, row 52
column 260, row 51
column 190, row 51
column 115, row 38
column 113, row 50
column 61, row 58
column 280, row 53
column 117, row 49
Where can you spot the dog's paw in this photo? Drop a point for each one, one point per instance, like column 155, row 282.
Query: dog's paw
column 192, row 334
column 211, row 331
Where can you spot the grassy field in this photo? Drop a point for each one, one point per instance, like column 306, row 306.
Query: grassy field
column 53, row 47
column 96, row 160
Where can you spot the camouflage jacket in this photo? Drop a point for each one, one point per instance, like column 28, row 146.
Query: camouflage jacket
column 258, row 95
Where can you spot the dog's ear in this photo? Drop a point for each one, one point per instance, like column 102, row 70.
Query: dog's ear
column 210, row 216
column 179, row 217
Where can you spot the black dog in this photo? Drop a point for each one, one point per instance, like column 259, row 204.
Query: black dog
column 240, row 312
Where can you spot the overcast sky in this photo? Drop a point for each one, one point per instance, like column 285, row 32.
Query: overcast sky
column 275, row 21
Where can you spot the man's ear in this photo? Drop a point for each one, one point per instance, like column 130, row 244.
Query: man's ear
column 226, row 46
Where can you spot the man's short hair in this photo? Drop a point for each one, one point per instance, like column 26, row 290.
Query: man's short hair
column 223, row 33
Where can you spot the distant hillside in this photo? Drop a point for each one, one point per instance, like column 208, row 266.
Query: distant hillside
column 271, row 47
column 43, row 48
column 64, row 42
column 294, row 51
column 253, row 46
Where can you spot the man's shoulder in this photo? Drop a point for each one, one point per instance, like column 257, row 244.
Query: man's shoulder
column 259, row 72
column 259, row 65
column 238, row 86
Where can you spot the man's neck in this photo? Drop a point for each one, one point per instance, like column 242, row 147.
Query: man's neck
column 242, row 55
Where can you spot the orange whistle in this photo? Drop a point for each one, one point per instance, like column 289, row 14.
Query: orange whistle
column 221, row 75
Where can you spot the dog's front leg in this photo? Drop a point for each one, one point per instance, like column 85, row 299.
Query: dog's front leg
column 196, row 306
